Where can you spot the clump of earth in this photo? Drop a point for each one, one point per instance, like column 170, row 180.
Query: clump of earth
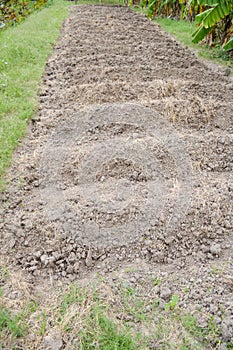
column 128, row 161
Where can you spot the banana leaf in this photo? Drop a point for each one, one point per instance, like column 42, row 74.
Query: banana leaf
column 200, row 33
column 229, row 45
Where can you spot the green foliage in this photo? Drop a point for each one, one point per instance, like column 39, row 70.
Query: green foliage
column 229, row 45
column 97, row 330
column 172, row 303
column 151, row 8
column 102, row 333
column 182, row 31
column 73, row 296
column 199, row 34
column 85, row 319
column 43, row 319
column 177, row 9
column 15, row 11
column 213, row 17
column 209, row 19
column 10, row 323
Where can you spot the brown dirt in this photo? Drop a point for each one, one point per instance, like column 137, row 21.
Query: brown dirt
column 127, row 162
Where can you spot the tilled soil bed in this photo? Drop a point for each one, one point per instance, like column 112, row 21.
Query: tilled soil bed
column 127, row 162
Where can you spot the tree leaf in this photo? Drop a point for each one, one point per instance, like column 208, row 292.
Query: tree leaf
column 215, row 14
column 229, row 45
column 200, row 33
column 202, row 15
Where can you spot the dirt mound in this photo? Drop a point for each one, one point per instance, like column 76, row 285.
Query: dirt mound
column 118, row 181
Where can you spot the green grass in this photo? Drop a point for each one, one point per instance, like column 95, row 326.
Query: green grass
column 96, row 327
column 89, row 319
column 182, row 31
column 23, row 53
column 103, row 333
column 10, row 323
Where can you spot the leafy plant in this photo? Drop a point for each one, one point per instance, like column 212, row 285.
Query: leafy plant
column 172, row 303
column 15, row 11
column 214, row 18
column 177, row 9
column 210, row 18
column 229, row 45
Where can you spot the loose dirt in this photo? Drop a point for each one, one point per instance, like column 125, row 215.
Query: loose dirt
column 128, row 162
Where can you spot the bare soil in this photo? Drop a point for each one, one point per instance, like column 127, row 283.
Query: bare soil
column 128, row 162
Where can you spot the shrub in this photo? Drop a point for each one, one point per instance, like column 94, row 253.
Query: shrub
column 15, row 11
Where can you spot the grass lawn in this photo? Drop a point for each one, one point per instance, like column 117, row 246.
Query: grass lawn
column 23, row 53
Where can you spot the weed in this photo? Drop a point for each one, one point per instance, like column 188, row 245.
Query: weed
column 4, row 272
column 208, row 335
column 42, row 318
column 87, row 321
column 102, row 333
column 172, row 303
column 32, row 307
column 189, row 323
column 130, row 269
column 127, row 290
column 155, row 303
column 216, row 271
column 10, row 323
column 71, row 297
column 157, row 281
column 95, row 328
